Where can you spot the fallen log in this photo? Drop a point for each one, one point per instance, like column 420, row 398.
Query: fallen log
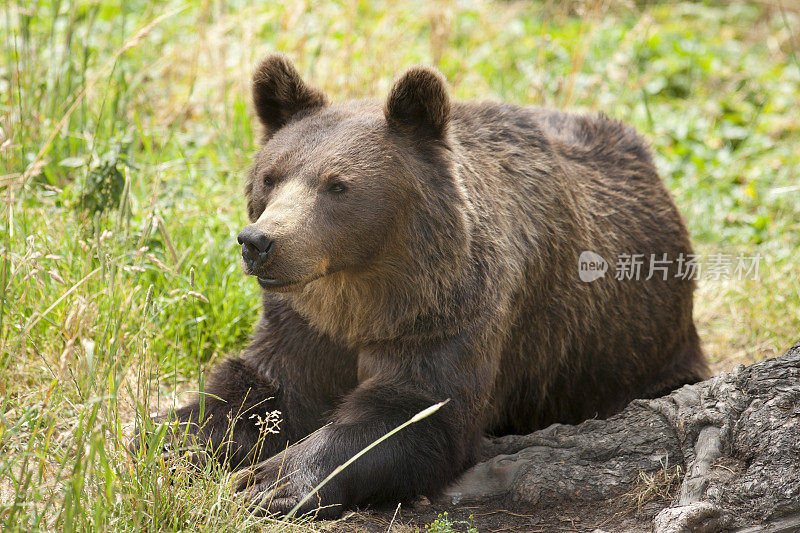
column 719, row 455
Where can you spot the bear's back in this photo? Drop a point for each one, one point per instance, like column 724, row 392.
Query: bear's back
column 548, row 185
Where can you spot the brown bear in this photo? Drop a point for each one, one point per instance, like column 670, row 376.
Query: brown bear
column 419, row 250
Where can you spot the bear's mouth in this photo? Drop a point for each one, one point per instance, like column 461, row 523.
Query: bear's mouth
column 277, row 285
column 272, row 283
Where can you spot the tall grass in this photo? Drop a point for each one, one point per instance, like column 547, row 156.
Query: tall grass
column 126, row 129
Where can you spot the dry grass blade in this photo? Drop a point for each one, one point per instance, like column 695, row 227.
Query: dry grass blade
column 35, row 320
column 416, row 418
column 660, row 486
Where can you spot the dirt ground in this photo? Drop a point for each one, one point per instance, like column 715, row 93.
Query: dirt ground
column 491, row 517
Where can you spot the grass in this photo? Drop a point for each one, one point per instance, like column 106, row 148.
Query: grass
column 126, row 132
column 661, row 486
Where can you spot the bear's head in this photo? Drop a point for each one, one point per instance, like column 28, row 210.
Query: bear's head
column 343, row 188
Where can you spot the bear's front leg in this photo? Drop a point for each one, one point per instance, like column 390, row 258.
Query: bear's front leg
column 232, row 421
column 288, row 367
column 420, row 459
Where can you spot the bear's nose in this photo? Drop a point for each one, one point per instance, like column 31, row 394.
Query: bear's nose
column 256, row 246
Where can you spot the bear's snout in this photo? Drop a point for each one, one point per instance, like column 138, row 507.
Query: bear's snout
column 256, row 247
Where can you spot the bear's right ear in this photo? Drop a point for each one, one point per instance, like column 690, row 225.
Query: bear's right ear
column 419, row 102
column 279, row 92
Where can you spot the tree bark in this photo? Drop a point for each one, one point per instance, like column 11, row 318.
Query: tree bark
column 719, row 455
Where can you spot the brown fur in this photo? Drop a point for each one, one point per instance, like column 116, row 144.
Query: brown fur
column 426, row 250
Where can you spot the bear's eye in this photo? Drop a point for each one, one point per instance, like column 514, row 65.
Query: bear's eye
column 336, row 186
column 269, row 181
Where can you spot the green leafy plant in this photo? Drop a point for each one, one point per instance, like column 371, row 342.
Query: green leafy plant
column 443, row 524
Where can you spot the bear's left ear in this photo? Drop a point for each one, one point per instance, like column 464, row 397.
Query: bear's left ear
column 419, row 102
column 279, row 92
